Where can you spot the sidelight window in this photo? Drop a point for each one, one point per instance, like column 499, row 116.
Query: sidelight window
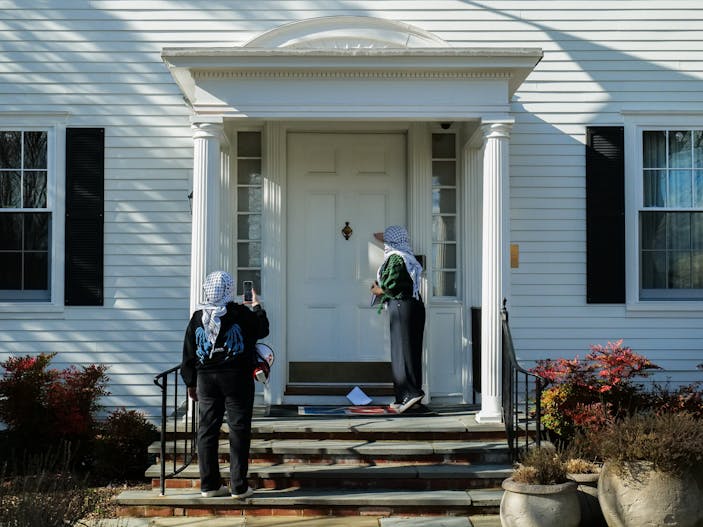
column 444, row 215
column 249, row 206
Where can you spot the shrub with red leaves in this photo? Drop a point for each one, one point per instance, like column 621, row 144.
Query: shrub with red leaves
column 42, row 406
column 590, row 393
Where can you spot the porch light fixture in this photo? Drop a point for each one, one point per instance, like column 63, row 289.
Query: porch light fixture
column 190, row 202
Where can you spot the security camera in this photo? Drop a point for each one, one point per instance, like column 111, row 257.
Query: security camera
column 445, row 126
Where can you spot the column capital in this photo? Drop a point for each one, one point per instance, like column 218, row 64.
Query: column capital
column 496, row 130
column 209, row 129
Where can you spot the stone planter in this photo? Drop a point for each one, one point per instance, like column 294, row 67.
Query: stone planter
column 587, row 492
column 641, row 496
column 526, row 505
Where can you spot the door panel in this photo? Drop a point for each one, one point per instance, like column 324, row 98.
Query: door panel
column 334, row 179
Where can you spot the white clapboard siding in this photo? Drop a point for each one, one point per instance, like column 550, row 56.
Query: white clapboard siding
column 100, row 62
column 595, row 74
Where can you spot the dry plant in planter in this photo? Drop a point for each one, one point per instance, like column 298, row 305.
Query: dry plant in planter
column 653, row 470
column 586, row 474
column 539, row 493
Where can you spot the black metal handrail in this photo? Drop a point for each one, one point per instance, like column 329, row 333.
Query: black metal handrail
column 185, row 412
column 516, row 381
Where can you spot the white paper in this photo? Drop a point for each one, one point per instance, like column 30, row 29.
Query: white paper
column 358, row 397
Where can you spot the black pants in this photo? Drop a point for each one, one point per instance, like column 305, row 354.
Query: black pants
column 231, row 390
column 407, row 325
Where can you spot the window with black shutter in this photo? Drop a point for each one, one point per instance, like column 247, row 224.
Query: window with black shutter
column 85, row 165
column 605, row 215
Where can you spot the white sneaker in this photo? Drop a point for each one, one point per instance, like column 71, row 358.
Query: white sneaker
column 244, row 494
column 222, row 491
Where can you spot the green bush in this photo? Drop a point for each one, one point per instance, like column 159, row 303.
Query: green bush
column 121, row 446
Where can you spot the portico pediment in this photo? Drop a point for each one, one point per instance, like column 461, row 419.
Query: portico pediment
column 350, row 67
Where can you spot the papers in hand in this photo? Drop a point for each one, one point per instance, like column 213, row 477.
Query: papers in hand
column 357, row 397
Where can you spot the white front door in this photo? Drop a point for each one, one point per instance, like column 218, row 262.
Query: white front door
column 334, row 181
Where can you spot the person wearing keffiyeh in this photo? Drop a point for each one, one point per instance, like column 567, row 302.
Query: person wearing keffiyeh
column 217, row 367
column 218, row 293
column 397, row 286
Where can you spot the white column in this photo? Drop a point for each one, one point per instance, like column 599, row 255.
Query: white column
column 273, row 271
column 205, row 236
column 495, row 174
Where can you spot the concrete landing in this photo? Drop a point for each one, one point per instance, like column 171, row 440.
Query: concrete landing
column 294, row 521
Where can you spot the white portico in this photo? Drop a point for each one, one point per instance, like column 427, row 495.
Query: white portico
column 357, row 100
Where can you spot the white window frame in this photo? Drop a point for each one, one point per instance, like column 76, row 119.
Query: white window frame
column 237, row 240
column 429, row 257
column 54, row 125
column 637, row 122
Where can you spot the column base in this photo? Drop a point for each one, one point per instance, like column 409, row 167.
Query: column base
column 491, row 410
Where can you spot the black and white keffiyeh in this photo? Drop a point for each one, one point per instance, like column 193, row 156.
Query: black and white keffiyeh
column 219, row 289
column 397, row 241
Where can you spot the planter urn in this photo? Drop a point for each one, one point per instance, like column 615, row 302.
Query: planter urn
column 641, row 496
column 525, row 505
column 587, row 492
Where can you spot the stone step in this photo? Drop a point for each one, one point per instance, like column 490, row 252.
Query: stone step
column 313, row 503
column 432, row 463
column 353, row 475
column 301, row 521
column 341, row 450
column 445, row 426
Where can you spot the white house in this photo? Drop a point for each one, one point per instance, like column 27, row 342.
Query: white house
column 546, row 153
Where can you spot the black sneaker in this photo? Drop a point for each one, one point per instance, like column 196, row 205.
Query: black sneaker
column 408, row 402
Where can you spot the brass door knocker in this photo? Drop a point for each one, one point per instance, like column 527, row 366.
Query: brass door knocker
column 347, row 230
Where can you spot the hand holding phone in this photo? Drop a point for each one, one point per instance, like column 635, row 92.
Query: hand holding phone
column 248, row 288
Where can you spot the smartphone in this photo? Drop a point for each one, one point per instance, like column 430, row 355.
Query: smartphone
column 247, row 287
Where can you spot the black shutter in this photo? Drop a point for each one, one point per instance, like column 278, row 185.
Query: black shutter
column 605, row 215
column 85, row 167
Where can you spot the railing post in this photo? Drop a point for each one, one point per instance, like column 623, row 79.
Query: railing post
column 538, row 409
column 175, row 419
column 162, row 455
column 189, row 432
column 511, row 393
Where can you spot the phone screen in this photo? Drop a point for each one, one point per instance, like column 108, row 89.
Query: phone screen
column 247, row 286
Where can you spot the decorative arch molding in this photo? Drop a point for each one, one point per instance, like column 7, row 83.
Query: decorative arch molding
column 347, row 33
column 350, row 67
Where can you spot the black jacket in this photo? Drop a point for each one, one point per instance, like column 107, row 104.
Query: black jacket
column 240, row 328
